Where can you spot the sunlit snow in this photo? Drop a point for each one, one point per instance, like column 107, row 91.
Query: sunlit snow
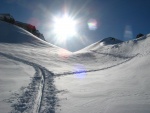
column 109, row 76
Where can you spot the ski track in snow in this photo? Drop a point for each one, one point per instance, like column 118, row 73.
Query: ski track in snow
column 86, row 71
column 42, row 99
column 35, row 99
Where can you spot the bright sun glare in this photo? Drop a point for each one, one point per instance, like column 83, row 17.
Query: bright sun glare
column 64, row 27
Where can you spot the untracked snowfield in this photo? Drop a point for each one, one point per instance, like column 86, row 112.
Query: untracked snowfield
column 109, row 76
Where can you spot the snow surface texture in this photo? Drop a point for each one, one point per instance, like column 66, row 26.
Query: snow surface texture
column 109, row 76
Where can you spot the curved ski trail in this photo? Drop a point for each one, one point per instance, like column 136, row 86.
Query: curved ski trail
column 35, row 99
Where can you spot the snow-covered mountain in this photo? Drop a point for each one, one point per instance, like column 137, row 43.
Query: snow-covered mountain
column 109, row 76
column 104, row 42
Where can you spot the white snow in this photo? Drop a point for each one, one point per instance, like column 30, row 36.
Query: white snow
column 10, row 81
column 109, row 76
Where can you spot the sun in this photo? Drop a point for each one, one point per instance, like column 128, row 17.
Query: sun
column 64, row 27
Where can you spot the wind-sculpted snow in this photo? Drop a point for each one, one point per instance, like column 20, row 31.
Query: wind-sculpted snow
column 39, row 96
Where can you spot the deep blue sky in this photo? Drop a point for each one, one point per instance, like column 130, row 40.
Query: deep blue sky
column 122, row 19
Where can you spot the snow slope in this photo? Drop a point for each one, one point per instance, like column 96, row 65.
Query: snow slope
column 117, row 82
column 109, row 76
column 25, row 79
column 103, row 42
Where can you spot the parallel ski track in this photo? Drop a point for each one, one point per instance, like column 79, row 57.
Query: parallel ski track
column 86, row 71
column 45, row 97
column 44, row 77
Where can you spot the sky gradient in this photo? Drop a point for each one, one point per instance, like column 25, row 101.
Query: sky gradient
column 122, row 19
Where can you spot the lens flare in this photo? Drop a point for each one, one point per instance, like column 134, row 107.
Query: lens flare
column 64, row 54
column 128, row 34
column 80, row 71
column 92, row 24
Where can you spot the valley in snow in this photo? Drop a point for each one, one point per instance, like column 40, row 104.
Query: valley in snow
column 109, row 76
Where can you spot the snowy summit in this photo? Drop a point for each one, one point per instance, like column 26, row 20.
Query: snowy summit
column 110, row 40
